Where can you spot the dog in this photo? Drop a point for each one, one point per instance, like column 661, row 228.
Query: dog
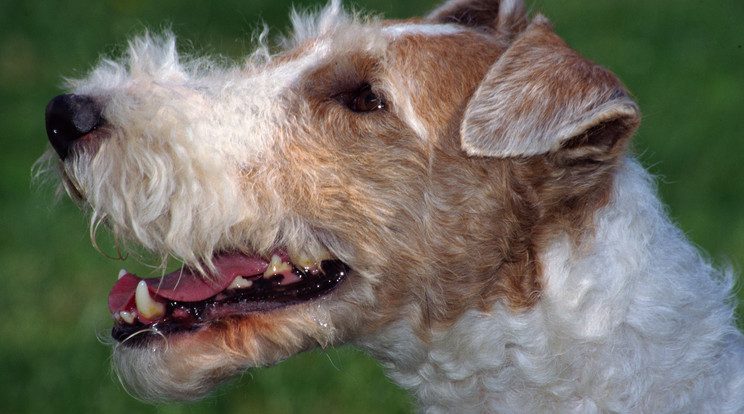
column 453, row 194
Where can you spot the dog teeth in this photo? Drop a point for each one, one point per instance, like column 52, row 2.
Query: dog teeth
column 127, row 317
column 240, row 283
column 122, row 272
column 146, row 305
column 304, row 261
column 276, row 266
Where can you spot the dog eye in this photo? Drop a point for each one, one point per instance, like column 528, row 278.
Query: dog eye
column 362, row 100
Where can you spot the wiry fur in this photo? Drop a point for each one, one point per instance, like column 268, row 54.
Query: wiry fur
column 600, row 339
column 506, row 253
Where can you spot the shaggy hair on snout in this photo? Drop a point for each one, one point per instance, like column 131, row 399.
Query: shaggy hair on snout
column 454, row 194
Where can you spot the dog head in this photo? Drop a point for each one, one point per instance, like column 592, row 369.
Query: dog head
column 371, row 172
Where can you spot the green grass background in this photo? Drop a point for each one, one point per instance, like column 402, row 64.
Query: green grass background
column 682, row 59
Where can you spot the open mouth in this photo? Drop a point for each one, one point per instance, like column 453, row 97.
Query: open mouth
column 185, row 300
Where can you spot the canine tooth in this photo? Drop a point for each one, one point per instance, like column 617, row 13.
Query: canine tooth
column 127, row 317
column 303, row 260
column 146, row 305
column 122, row 272
column 240, row 283
column 276, row 265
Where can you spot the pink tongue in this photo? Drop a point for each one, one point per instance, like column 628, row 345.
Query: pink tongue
column 184, row 285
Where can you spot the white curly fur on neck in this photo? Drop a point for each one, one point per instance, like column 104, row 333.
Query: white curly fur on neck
column 622, row 327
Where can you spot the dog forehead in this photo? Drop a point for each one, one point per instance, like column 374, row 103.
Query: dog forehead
column 409, row 61
column 378, row 39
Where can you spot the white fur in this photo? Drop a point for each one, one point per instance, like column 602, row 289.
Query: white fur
column 407, row 29
column 174, row 190
column 632, row 321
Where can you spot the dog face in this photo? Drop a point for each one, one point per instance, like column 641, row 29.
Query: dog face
column 373, row 173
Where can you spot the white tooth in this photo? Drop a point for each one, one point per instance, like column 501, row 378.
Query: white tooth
column 146, row 306
column 122, row 272
column 276, row 266
column 323, row 253
column 240, row 283
column 127, row 317
column 304, row 260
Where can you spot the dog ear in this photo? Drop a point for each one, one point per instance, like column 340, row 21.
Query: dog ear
column 542, row 96
column 506, row 16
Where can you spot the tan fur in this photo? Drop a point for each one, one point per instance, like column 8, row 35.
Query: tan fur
column 429, row 231
column 492, row 152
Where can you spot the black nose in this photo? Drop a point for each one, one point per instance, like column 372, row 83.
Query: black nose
column 69, row 118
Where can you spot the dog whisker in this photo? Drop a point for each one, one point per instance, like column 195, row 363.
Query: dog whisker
column 453, row 194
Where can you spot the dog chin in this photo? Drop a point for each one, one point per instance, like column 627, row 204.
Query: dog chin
column 186, row 365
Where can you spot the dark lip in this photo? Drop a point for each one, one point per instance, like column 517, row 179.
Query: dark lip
column 185, row 317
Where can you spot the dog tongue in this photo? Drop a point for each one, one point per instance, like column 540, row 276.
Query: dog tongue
column 186, row 285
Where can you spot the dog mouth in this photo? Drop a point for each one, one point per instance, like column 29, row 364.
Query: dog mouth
column 185, row 300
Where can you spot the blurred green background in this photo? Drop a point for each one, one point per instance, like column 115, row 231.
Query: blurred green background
column 683, row 60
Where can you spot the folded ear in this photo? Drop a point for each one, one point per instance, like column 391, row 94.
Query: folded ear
column 541, row 96
column 506, row 16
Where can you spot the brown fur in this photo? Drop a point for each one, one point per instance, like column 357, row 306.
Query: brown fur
column 492, row 139
column 481, row 217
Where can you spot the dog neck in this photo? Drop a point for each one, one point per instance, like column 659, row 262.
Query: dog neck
column 616, row 314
